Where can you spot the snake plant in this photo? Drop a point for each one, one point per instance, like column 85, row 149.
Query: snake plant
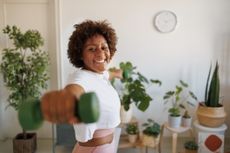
column 212, row 90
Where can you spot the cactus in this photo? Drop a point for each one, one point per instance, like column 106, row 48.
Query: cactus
column 212, row 95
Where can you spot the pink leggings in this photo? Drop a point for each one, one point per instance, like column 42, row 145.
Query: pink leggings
column 106, row 148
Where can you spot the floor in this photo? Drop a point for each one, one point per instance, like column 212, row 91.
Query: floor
column 45, row 146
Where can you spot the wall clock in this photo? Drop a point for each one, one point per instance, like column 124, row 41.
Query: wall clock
column 165, row 21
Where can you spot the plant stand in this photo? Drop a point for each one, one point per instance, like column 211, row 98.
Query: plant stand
column 28, row 145
column 124, row 143
column 210, row 137
column 175, row 132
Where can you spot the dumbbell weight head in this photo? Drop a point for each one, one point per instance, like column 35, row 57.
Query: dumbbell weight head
column 30, row 115
column 88, row 108
column 126, row 74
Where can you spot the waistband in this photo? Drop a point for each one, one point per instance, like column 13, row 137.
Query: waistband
column 98, row 141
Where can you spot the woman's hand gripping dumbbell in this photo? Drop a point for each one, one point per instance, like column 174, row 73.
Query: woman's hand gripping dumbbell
column 32, row 113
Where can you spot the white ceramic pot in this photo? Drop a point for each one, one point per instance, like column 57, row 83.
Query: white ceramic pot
column 132, row 138
column 126, row 116
column 186, row 122
column 174, row 121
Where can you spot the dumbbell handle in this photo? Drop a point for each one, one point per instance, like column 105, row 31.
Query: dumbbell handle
column 86, row 110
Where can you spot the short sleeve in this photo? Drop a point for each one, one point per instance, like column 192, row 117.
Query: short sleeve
column 79, row 77
column 106, row 74
column 84, row 132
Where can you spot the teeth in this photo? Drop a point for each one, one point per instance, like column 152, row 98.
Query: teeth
column 101, row 61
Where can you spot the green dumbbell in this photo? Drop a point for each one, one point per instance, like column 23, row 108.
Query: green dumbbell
column 30, row 115
column 126, row 74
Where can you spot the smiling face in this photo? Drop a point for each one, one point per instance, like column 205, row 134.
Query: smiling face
column 96, row 54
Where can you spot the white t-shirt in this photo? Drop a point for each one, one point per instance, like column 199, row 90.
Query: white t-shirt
column 109, row 102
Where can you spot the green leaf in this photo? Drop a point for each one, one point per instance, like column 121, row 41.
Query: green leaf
column 206, row 87
column 24, row 66
column 156, row 82
column 183, row 84
column 143, row 105
column 214, row 90
column 192, row 95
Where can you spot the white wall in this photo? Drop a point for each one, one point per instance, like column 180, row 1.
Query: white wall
column 202, row 36
column 36, row 14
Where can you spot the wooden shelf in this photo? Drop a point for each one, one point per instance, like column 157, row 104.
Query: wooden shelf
column 124, row 142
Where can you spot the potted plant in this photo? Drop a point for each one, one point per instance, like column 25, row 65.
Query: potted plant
column 211, row 112
column 186, row 119
column 151, row 133
column 179, row 97
column 133, row 90
column 190, row 147
column 132, row 131
column 24, row 69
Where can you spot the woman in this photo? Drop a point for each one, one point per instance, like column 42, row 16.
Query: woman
column 91, row 48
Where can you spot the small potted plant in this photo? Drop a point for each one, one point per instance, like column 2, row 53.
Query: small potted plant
column 151, row 133
column 179, row 97
column 211, row 112
column 191, row 147
column 186, row 119
column 132, row 88
column 132, row 131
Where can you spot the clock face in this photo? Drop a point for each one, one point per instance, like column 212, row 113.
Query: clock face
column 165, row 21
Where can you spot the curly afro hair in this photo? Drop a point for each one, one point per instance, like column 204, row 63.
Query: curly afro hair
column 83, row 32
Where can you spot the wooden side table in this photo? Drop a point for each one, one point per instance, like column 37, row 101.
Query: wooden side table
column 124, row 143
column 175, row 132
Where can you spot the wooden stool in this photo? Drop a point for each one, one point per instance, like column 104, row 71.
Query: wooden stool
column 175, row 132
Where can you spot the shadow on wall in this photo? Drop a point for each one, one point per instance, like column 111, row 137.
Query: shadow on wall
column 224, row 60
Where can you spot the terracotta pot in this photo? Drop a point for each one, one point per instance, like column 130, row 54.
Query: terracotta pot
column 211, row 116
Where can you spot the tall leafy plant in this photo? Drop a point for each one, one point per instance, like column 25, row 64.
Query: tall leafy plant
column 135, row 87
column 24, row 65
column 212, row 90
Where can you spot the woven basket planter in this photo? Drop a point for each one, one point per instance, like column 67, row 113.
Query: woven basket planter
column 150, row 141
column 28, row 145
column 211, row 116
